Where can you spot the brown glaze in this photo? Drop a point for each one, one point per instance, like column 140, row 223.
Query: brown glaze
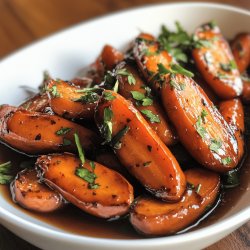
column 246, row 92
column 28, row 192
column 37, row 103
column 36, row 133
column 67, row 103
column 111, row 198
column 148, row 55
column 141, row 151
column 241, row 51
column 152, row 217
column 163, row 129
column 233, row 113
column 210, row 60
column 185, row 104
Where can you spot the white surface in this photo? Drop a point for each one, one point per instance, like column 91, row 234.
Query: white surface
column 63, row 55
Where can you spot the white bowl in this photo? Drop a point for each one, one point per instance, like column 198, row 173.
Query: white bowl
column 63, row 55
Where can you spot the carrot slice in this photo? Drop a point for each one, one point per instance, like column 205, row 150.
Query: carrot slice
column 110, row 196
column 135, row 92
column 153, row 217
column 28, row 192
column 233, row 113
column 215, row 61
column 69, row 101
column 37, row 103
column 36, row 133
column 138, row 148
column 200, row 127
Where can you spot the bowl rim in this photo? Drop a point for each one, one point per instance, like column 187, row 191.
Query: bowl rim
column 203, row 233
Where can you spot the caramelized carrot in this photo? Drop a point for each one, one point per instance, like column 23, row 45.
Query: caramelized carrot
column 37, row 103
column 69, row 101
column 83, row 82
column 28, row 192
column 215, row 61
column 241, row 51
column 36, row 133
column 162, row 128
column 200, row 127
column 233, row 113
column 138, row 148
column 110, row 195
column 148, row 55
column 153, row 217
column 246, row 91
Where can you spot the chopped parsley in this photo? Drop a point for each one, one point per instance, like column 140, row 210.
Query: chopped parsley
column 199, row 128
column 63, row 131
column 5, row 170
column 226, row 161
column 174, row 69
column 141, row 98
column 79, row 148
column 125, row 72
column 66, row 142
column 116, row 87
column 89, row 97
column 53, row 91
column 215, row 145
column 198, row 188
column 151, row 116
column 203, row 114
column 108, row 96
column 228, row 66
column 107, row 124
column 115, row 142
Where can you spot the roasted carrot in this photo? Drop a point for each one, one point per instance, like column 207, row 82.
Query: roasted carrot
column 92, row 187
column 246, row 91
column 241, row 51
column 148, row 55
column 29, row 193
column 83, row 82
column 199, row 125
column 37, row 103
column 233, row 113
column 69, row 101
column 153, row 217
column 141, row 97
column 37, row 133
column 138, row 148
column 214, row 59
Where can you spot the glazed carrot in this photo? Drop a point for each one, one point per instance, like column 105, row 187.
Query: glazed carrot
column 92, row 187
column 215, row 61
column 200, row 127
column 29, row 193
column 138, row 148
column 148, row 54
column 36, row 133
column 233, row 113
column 142, row 99
column 153, row 217
column 83, row 82
column 241, row 51
column 69, row 101
column 37, row 103
column 107, row 60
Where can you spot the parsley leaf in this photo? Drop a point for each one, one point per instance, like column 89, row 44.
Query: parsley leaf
column 88, row 176
column 54, row 91
column 215, row 145
column 198, row 188
column 89, row 97
column 137, row 95
column 226, row 161
column 66, row 142
column 107, row 124
column 79, row 148
column 124, row 72
column 108, row 96
column 174, row 69
column 151, row 116
column 141, row 98
column 5, row 170
column 199, row 128
column 228, row 66
column 115, row 142
column 63, row 131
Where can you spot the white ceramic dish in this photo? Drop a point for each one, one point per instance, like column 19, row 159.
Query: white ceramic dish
column 63, row 55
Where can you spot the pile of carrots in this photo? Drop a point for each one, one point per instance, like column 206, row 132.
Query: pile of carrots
column 108, row 136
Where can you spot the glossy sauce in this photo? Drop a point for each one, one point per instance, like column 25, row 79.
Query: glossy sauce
column 73, row 220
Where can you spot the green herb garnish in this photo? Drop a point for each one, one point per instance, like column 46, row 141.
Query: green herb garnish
column 79, row 148
column 130, row 77
column 63, row 131
column 174, row 69
column 115, row 142
column 151, row 116
column 108, row 96
column 215, row 145
column 141, row 98
column 199, row 128
column 226, row 161
column 5, row 170
column 231, row 179
column 228, row 66
column 89, row 97
column 54, row 91
column 147, row 163
column 66, row 142
column 107, row 124
column 198, row 188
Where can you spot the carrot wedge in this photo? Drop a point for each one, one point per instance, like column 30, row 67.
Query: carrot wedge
column 69, row 101
column 153, row 217
column 233, row 113
column 110, row 196
column 138, row 148
column 241, row 51
column 135, row 92
column 214, row 59
column 37, row 103
column 246, row 91
column 199, row 125
column 28, row 192
column 37, row 133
